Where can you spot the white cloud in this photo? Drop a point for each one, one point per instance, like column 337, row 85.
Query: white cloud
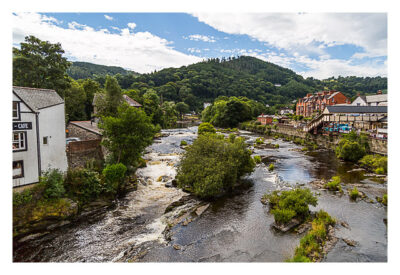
column 292, row 31
column 194, row 50
column 108, row 17
column 199, row 37
column 142, row 51
column 131, row 25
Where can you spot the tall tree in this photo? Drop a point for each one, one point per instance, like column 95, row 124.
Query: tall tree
column 181, row 108
column 91, row 87
column 40, row 64
column 75, row 99
column 127, row 134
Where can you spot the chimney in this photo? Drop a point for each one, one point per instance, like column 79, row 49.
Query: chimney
column 379, row 92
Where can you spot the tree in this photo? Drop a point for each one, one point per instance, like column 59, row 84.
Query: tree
column 151, row 105
column 181, row 108
column 107, row 103
column 127, row 134
column 39, row 64
column 205, row 127
column 169, row 114
column 75, row 99
column 212, row 166
column 90, row 87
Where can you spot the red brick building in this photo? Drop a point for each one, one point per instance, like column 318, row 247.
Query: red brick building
column 315, row 103
column 265, row 119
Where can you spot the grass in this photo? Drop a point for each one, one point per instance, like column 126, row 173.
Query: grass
column 259, row 140
column 271, row 167
column 310, row 247
column 183, row 143
column 276, row 145
column 257, row 159
column 334, row 184
column 354, row 194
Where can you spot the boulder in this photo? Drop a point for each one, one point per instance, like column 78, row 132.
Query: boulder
column 286, row 227
column 176, row 247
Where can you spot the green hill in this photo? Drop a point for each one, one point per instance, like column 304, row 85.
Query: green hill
column 83, row 70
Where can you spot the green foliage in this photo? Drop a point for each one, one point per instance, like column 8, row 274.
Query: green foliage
column 127, row 134
column 232, row 138
column 376, row 163
column 383, row 200
column 40, row 64
column 271, row 167
column 23, row 197
column 53, row 182
column 334, row 184
column 213, row 166
column 81, row 70
column 182, row 108
column 276, row 145
column 257, row 159
column 354, row 194
column 183, row 143
column 205, row 127
column 286, row 205
column 259, row 140
column 352, row 147
column 83, row 184
column 75, row 99
column 310, row 247
column 114, row 177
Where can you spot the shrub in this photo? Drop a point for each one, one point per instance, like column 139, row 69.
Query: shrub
column 53, row 182
column 334, row 184
column 375, row 163
column 83, row 184
column 21, row 198
column 183, row 143
column 285, row 203
column 259, row 140
column 354, row 194
column 271, row 167
column 213, row 166
column 231, row 138
column 205, row 127
column 352, row 147
column 276, row 145
column 383, row 200
column 114, row 176
column 257, row 159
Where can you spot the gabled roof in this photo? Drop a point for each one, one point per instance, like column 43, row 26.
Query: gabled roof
column 36, row 98
column 131, row 102
column 87, row 125
column 333, row 95
column 351, row 109
column 376, row 98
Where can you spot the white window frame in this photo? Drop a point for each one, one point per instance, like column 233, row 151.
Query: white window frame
column 18, row 117
column 19, row 170
column 19, row 141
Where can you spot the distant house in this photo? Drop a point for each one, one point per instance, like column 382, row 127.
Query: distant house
column 371, row 100
column 206, row 104
column 285, row 111
column 316, row 103
column 130, row 101
column 265, row 119
column 38, row 140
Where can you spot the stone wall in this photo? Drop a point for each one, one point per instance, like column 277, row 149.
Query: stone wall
column 79, row 152
column 83, row 134
column 377, row 146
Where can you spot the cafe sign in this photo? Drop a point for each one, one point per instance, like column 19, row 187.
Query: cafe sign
column 22, row 125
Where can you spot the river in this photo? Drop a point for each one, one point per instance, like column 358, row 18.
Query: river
column 232, row 229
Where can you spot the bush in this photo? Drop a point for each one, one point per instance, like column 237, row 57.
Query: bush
column 232, row 138
column 375, row 163
column 259, row 140
column 213, row 166
column 205, row 127
column 21, row 198
column 83, row 184
column 285, row 203
column 276, row 146
column 334, row 184
column 114, row 176
column 383, row 200
column 53, row 182
column 352, row 147
column 183, row 143
column 354, row 194
column 257, row 159
column 271, row 167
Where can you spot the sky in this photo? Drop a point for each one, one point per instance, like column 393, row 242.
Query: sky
column 318, row 45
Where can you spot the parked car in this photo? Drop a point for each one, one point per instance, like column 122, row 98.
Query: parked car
column 72, row 139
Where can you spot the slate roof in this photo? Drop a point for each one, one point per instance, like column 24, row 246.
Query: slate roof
column 355, row 109
column 87, row 125
column 376, row 98
column 36, row 98
column 132, row 102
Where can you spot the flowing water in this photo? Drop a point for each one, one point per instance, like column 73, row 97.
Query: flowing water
column 232, row 229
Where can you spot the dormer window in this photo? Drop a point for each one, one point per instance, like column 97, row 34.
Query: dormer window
column 16, row 110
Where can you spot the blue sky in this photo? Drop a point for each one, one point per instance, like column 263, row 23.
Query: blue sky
column 318, row 45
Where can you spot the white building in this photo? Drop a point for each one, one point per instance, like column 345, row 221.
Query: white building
column 286, row 111
column 206, row 104
column 38, row 134
column 371, row 100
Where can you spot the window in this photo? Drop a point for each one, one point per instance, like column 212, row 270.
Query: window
column 18, row 169
column 16, row 110
column 45, row 140
column 19, row 141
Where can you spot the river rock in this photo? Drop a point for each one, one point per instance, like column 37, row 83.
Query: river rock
column 32, row 236
column 349, row 242
column 286, row 227
column 176, row 247
column 200, row 210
